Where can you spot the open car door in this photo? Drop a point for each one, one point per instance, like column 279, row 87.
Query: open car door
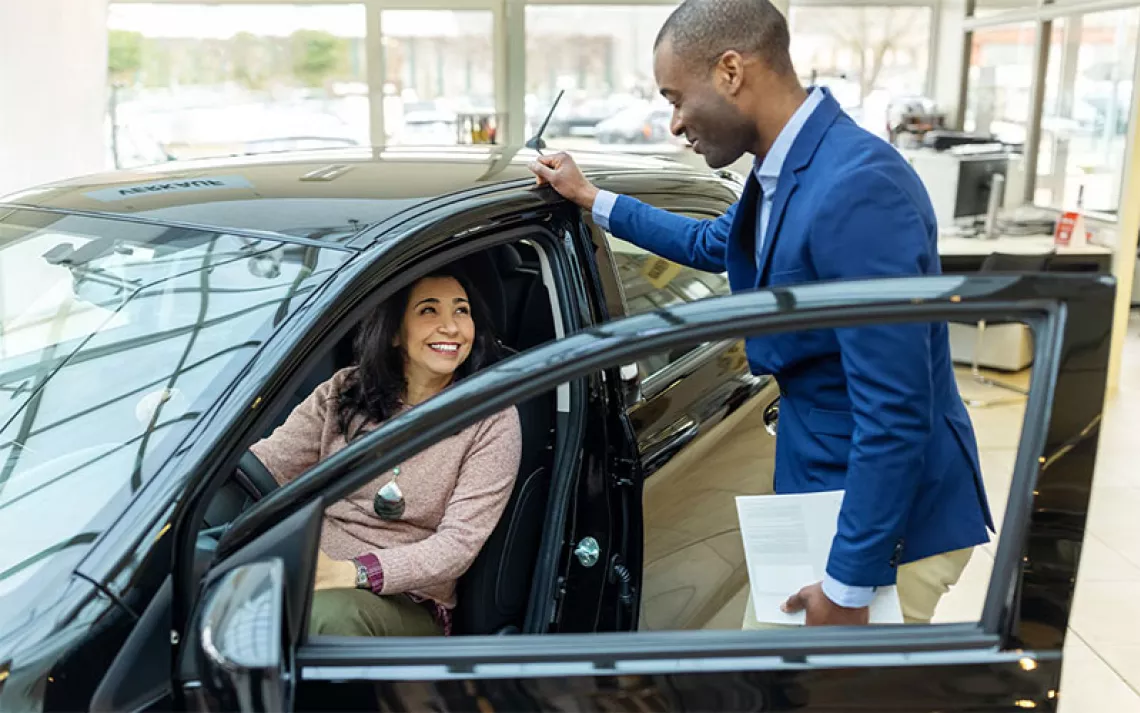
column 246, row 647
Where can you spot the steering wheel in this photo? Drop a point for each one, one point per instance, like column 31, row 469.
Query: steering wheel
column 257, row 475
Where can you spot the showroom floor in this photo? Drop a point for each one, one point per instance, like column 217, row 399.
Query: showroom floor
column 1102, row 650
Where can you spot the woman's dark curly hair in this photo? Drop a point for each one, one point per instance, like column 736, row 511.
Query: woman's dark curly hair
column 376, row 388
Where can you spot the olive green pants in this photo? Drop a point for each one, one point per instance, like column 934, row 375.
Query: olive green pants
column 359, row 612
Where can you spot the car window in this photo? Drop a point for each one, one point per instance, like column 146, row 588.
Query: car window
column 650, row 282
column 114, row 337
column 712, row 552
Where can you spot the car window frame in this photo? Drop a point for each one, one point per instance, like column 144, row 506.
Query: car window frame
column 700, row 207
column 994, row 639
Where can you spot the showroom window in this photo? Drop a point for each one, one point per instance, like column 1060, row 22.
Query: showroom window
column 999, row 81
column 602, row 56
column 989, row 8
column 868, row 56
column 1088, row 90
column 440, row 75
column 190, row 80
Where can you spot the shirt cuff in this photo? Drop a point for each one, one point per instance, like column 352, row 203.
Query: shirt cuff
column 603, row 206
column 371, row 564
column 845, row 595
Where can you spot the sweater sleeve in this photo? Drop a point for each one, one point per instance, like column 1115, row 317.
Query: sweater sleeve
column 482, row 489
column 295, row 446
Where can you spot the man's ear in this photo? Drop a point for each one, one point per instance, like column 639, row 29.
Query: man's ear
column 729, row 73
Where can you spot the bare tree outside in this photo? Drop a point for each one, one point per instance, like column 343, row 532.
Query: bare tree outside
column 869, row 40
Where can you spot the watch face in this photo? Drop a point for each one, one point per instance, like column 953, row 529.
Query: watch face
column 361, row 576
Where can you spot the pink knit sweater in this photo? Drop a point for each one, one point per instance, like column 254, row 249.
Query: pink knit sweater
column 455, row 492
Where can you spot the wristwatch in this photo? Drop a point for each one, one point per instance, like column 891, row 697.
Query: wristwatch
column 361, row 576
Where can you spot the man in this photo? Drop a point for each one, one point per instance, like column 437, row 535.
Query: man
column 875, row 410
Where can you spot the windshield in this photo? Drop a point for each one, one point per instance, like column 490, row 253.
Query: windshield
column 114, row 337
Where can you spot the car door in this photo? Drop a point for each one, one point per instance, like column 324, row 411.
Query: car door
column 244, row 648
column 688, row 406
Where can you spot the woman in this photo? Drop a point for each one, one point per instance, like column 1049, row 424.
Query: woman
column 391, row 552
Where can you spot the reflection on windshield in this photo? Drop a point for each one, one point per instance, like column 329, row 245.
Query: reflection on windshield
column 114, row 336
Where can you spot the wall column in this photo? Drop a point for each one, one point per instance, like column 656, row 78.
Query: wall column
column 53, row 80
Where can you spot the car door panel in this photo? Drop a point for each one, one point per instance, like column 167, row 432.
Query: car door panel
column 926, row 686
column 694, row 564
column 1009, row 660
column 701, row 437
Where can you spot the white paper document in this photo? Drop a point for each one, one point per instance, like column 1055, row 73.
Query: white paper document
column 787, row 539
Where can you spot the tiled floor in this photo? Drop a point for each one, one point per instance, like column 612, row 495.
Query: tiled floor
column 1102, row 650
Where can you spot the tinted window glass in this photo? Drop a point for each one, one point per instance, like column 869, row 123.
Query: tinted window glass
column 114, row 336
column 651, row 282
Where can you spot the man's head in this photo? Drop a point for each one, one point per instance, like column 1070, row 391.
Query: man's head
column 720, row 62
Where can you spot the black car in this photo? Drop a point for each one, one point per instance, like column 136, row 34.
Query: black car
column 158, row 322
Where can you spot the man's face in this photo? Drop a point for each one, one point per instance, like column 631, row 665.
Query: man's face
column 705, row 106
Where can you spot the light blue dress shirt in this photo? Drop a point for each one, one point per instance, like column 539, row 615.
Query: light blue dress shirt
column 767, row 173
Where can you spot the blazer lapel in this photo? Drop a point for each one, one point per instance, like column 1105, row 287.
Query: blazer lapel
column 799, row 158
column 742, row 238
column 784, row 190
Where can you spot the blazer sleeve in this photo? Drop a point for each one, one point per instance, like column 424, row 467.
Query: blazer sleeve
column 699, row 244
column 878, row 230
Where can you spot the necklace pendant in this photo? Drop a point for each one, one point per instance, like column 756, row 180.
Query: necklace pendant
column 389, row 501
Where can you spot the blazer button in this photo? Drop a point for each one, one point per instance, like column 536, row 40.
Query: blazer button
column 896, row 557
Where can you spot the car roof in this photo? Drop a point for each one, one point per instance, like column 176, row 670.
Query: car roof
column 326, row 194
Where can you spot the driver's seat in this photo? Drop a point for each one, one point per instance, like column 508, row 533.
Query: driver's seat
column 493, row 594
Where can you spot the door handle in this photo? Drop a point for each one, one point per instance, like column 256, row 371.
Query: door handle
column 772, row 417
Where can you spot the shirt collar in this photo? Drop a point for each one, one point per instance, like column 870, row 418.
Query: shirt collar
column 768, row 171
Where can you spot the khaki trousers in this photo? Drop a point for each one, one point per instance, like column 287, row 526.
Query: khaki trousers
column 921, row 585
column 359, row 612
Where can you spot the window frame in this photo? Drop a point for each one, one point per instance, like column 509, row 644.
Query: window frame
column 702, row 208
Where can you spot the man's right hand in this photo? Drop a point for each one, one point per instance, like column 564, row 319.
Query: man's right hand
column 563, row 175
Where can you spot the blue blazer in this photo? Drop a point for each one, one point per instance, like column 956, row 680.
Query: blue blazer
column 873, row 410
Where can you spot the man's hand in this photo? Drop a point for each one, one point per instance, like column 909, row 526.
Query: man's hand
column 563, row 175
column 821, row 611
column 334, row 574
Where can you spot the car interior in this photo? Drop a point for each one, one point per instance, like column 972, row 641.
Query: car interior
column 493, row 595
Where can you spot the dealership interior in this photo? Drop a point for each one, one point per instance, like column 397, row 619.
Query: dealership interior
column 1021, row 117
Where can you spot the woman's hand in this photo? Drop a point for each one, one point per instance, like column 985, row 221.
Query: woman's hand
column 334, row 574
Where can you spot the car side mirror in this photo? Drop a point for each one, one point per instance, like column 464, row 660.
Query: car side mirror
column 242, row 658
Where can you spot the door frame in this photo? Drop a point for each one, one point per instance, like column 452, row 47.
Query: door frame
column 329, row 315
column 1071, row 318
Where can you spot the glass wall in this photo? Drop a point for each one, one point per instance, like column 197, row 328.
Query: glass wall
column 989, row 8
column 1088, row 91
column 602, row 56
column 1000, row 81
column 213, row 80
column 440, row 75
column 870, row 57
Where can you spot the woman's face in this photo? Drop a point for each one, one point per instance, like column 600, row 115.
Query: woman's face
column 438, row 330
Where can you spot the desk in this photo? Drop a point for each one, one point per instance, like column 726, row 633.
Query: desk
column 960, row 254
column 1009, row 347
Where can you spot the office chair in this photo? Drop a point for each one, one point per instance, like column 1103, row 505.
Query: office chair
column 1003, row 263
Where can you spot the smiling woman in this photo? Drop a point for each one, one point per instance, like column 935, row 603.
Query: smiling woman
column 392, row 552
